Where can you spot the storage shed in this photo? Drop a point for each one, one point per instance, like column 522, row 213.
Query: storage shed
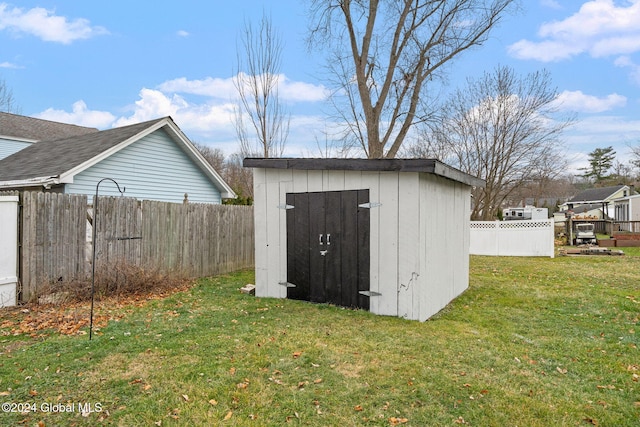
column 388, row 235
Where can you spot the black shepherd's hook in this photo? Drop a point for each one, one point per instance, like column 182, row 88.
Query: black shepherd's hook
column 93, row 241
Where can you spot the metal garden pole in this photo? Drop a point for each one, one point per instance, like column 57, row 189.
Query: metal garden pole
column 93, row 241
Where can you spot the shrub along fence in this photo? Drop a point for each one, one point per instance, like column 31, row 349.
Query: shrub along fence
column 194, row 240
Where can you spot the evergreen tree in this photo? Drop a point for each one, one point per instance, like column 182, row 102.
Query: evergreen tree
column 600, row 162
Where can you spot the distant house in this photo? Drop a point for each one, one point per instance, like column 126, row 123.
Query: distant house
column 596, row 203
column 627, row 208
column 153, row 160
column 18, row 132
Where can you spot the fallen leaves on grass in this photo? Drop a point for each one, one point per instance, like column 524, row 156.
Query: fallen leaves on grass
column 69, row 318
column 394, row 421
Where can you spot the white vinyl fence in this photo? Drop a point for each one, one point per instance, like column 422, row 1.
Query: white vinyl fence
column 8, row 250
column 512, row 238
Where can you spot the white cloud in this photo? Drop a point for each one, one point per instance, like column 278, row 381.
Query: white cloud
column 212, row 87
column 208, row 117
column 552, row 4
column 201, row 117
column 183, row 33
column 46, row 25
column 9, row 65
column 289, row 91
column 580, row 102
column 80, row 115
column 626, row 62
column 301, row 91
column 600, row 28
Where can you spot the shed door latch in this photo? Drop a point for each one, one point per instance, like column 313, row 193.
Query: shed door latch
column 287, row 284
column 370, row 293
column 370, row 205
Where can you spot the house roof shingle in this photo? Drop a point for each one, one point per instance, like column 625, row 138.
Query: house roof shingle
column 54, row 157
column 32, row 129
column 595, row 194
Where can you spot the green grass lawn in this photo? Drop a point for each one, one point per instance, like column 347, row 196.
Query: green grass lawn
column 533, row 342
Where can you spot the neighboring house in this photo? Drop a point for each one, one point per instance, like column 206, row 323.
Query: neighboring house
column 627, row 208
column 588, row 202
column 19, row 132
column 153, row 160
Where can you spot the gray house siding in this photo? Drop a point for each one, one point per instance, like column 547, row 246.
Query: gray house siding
column 151, row 168
column 9, row 146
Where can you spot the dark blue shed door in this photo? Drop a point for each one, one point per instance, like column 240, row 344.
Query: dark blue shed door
column 328, row 247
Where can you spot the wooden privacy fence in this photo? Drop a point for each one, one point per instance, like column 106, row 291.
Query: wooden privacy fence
column 195, row 240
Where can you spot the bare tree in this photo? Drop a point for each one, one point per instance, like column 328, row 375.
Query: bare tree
column 214, row 156
column 384, row 54
column 7, row 101
column 240, row 179
column 230, row 169
column 501, row 128
column 262, row 124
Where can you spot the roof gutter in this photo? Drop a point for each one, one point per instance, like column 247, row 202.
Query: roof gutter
column 45, row 181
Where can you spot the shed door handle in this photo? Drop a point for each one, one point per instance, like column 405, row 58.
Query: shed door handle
column 320, row 239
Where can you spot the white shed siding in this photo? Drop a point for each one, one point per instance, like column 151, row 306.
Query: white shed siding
column 261, row 215
column 444, row 208
column 419, row 236
column 152, row 168
column 387, row 259
column 410, row 276
column 9, row 146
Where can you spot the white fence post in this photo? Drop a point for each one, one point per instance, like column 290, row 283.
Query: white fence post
column 512, row 238
column 8, row 250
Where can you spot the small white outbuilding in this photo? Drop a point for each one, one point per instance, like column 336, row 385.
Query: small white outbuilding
column 388, row 235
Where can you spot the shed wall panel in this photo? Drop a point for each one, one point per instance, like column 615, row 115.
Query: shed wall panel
column 154, row 167
column 388, row 244
column 445, row 216
column 273, row 216
column 409, row 232
column 263, row 288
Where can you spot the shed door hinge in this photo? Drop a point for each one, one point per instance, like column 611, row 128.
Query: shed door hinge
column 287, row 284
column 285, row 206
column 370, row 293
column 370, row 205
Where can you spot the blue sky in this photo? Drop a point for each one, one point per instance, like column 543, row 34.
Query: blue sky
column 111, row 63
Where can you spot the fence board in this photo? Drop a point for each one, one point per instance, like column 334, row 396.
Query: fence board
column 193, row 239
column 53, row 243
